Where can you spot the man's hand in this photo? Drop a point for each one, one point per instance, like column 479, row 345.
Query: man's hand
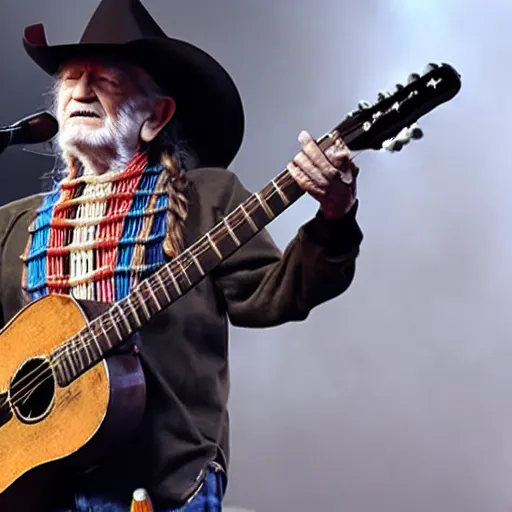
column 330, row 176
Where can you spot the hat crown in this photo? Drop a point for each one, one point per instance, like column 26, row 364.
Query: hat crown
column 205, row 93
column 120, row 22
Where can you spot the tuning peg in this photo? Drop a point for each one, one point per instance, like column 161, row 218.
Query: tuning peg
column 429, row 67
column 399, row 87
column 412, row 77
column 364, row 104
column 392, row 145
column 403, row 138
column 416, row 132
column 413, row 132
column 383, row 95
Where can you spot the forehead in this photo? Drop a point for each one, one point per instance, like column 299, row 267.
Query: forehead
column 97, row 66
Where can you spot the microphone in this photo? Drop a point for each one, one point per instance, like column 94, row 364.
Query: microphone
column 34, row 129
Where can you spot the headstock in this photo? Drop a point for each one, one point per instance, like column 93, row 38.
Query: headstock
column 391, row 121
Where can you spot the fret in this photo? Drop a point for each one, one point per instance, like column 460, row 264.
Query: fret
column 214, row 246
column 248, row 218
column 104, row 332
column 224, row 244
column 135, row 313
column 113, row 321
column 166, row 285
column 58, row 369
column 163, row 287
column 196, row 262
column 86, row 348
column 151, row 292
column 231, row 232
column 69, row 357
column 184, row 272
column 287, row 182
column 78, row 356
column 174, row 281
column 142, row 302
column 64, row 361
column 264, row 205
column 282, row 195
column 123, row 317
column 273, row 200
column 205, row 257
column 86, row 343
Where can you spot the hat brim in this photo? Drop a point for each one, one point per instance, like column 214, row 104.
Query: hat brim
column 208, row 103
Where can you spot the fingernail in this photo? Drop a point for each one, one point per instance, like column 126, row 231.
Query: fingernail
column 302, row 136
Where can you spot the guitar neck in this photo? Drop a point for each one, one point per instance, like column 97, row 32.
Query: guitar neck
column 366, row 128
column 165, row 286
column 173, row 280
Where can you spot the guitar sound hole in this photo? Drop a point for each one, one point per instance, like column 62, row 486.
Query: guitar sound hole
column 32, row 390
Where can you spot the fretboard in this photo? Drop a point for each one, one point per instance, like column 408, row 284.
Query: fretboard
column 173, row 280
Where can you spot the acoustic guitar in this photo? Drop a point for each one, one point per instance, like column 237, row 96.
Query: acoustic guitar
column 70, row 379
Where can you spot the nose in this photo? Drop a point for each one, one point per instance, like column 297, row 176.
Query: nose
column 83, row 91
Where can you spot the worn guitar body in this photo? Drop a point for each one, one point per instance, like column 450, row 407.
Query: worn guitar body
column 70, row 427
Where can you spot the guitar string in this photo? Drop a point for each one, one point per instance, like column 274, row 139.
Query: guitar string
column 202, row 246
column 68, row 350
column 81, row 346
column 72, row 348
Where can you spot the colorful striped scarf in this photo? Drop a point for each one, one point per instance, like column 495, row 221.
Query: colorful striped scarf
column 95, row 237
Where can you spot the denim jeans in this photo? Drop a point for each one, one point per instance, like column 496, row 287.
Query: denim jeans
column 208, row 499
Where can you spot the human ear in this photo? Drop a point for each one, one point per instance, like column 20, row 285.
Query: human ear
column 163, row 111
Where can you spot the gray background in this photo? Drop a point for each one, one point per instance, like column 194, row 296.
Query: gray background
column 396, row 396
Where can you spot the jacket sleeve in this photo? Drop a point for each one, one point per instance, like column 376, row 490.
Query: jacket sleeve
column 6, row 219
column 263, row 287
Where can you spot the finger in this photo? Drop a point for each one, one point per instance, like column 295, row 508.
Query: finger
column 338, row 196
column 315, row 154
column 304, row 181
column 348, row 171
column 314, row 173
column 337, row 153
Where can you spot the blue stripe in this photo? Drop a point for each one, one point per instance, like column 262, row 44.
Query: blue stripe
column 36, row 258
column 132, row 225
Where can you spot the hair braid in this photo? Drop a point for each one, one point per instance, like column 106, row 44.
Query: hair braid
column 73, row 167
column 174, row 242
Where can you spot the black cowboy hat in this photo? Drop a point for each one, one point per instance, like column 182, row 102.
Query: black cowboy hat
column 207, row 101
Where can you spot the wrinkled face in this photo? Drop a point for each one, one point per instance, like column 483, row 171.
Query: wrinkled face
column 107, row 109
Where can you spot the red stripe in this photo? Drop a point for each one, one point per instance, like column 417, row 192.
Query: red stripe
column 118, row 205
column 109, row 230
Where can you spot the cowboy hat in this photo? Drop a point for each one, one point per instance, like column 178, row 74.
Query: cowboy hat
column 207, row 101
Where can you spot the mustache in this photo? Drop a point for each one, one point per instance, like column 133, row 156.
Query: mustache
column 84, row 112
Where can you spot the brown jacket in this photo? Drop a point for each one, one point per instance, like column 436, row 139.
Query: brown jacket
column 184, row 350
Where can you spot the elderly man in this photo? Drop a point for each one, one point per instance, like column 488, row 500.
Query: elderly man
column 148, row 125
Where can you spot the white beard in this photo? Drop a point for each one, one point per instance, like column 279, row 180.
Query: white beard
column 113, row 145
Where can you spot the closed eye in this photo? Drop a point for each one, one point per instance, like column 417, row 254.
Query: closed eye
column 109, row 80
